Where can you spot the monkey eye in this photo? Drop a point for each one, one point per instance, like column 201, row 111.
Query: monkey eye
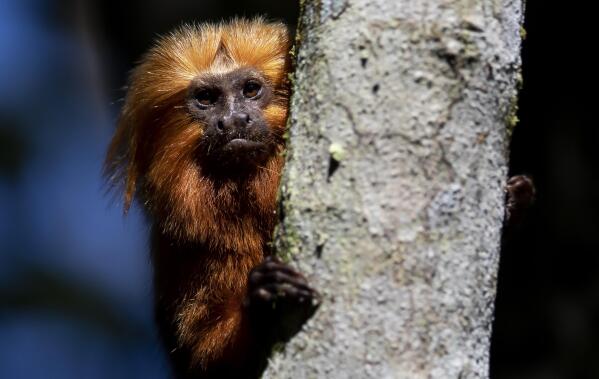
column 251, row 89
column 206, row 96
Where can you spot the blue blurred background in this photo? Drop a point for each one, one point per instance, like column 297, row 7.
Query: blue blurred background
column 75, row 292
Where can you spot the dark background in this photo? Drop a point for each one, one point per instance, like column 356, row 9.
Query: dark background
column 75, row 296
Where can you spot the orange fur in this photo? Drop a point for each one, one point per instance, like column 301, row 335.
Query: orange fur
column 208, row 234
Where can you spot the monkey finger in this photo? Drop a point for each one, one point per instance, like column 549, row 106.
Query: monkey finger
column 282, row 278
column 284, row 291
column 262, row 295
column 521, row 189
column 280, row 266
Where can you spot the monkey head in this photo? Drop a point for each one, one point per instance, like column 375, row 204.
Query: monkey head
column 230, row 107
column 205, row 111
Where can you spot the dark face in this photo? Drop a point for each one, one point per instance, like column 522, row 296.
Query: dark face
column 231, row 106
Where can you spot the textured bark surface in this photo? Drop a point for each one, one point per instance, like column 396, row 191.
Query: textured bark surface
column 392, row 197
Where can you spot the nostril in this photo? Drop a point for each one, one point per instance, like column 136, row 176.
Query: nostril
column 248, row 119
column 220, row 125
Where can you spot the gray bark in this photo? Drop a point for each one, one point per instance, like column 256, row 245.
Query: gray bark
column 413, row 100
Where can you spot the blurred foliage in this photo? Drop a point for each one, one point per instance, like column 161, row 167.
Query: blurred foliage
column 38, row 289
column 13, row 148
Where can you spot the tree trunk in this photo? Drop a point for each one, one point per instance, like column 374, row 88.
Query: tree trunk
column 392, row 198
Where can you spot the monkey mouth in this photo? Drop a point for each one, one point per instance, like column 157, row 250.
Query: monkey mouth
column 243, row 144
column 242, row 150
column 240, row 153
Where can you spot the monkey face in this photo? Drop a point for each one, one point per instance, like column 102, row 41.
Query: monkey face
column 205, row 113
column 230, row 108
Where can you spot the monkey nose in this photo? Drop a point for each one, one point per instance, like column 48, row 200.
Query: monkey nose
column 237, row 120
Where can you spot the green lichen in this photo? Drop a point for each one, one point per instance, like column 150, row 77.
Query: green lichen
column 512, row 116
column 512, row 119
column 469, row 50
column 519, row 80
column 278, row 348
column 337, row 152
column 288, row 240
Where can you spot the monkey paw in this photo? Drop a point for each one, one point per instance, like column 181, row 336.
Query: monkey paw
column 520, row 195
column 280, row 299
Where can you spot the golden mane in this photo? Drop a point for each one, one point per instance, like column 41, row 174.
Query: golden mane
column 151, row 154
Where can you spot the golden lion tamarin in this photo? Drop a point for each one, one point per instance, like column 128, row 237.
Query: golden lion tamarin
column 199, row 144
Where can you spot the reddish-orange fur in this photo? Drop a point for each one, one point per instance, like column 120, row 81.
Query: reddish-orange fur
column 208, row 233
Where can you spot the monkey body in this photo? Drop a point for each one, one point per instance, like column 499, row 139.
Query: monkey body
column 200, row 289
column 199, row 144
